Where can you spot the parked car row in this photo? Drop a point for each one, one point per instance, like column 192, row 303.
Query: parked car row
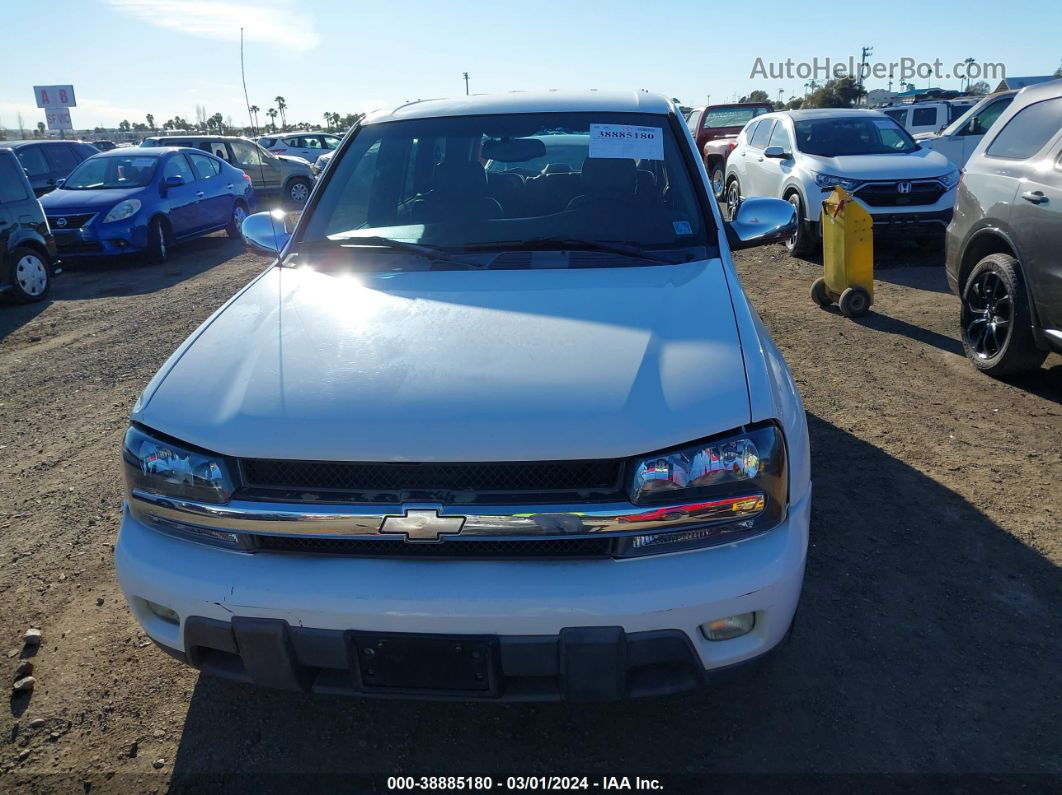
column 307, row 145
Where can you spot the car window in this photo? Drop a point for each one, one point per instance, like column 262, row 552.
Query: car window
column 310, row 142
column 899, row 116
column 780, row 137
column 424, row 180
column 293, row 141
column 983, row 121
column 218, row 149
column 730, row 117
column 177, row 166
column 246, row 154
column 12, row 183
column 33, row 160
column 762, row 134
column 330, row 141
column 1028, row 130
column 750, row 131
column 922, row 117
column 205, row 167
column 267, row 142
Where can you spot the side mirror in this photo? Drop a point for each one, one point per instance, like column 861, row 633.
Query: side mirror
column 59, row 182
column 761, row 221
column 266, row 233
column 174, row 182
column 778, row 153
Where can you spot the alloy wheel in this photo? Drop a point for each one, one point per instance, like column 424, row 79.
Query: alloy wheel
column 989, row 311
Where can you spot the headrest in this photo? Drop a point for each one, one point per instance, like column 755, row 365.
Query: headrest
column 463, row 177
column 557, row 168
column 609, row 174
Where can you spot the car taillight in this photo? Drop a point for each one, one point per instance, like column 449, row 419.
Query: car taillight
column 730, row 147
column 247, row 178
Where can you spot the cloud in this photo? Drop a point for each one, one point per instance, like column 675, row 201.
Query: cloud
column 279, row 23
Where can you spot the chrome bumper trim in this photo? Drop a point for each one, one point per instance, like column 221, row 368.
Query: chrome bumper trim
column 355, row 521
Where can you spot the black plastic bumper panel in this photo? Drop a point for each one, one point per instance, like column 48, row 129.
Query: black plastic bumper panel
column 579, row 664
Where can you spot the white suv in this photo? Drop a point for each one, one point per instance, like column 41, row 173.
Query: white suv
column 480, row 435
column 801, row 155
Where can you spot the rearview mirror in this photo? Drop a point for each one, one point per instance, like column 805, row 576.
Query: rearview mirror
column 777, row 153
column 266, row 233
column 514, row 150
column 760, row 221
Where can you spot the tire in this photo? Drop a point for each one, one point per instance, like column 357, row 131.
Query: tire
column 234, row 229
column 800, row 243
column 854, row 302
column 994, row 322
column 733, row 199
column 298, row 191
column 819, row 293
column 159, row 243
column 718, row 177
column 31, row 275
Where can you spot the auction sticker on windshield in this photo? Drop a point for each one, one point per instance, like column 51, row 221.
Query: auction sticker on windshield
column 626, row 141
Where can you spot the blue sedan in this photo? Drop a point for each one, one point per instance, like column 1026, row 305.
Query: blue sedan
column 142, row 201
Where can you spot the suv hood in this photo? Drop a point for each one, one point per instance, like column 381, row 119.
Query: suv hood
column 459, row 366
column 921, row 164
column 302, row 161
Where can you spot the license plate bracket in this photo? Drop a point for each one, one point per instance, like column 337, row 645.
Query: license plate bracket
column 426, row 663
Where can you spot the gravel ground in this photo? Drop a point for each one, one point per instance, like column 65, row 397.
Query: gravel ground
column 928, row 639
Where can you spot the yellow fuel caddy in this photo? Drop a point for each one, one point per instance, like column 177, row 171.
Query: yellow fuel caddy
column 847, row 256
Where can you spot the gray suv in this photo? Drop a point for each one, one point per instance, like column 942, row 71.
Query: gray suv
column 290, row 178
column 1004, row 241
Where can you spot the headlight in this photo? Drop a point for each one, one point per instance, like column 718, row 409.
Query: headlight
column 123, row 210
column 827, row 181
column 736, row 485
column 172, row 470
column 951, row 179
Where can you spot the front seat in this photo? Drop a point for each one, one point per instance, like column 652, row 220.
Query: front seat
column 459, row 194
column 606, row 180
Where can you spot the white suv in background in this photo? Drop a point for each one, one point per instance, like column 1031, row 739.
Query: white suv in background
column 307, row 145
column 958, row 140
column 928, row 117
column 801, row 155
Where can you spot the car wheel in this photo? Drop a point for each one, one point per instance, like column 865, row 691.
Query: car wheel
column 30, row 275
column 854, row 302
column 996, row 327
column 299, row 191
column 718, row 176
column 799, row 243
column 733, row 199
column 158, row 241
column 235, row 228
column 819, row 294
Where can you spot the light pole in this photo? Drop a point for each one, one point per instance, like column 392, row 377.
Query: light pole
column 466, row 83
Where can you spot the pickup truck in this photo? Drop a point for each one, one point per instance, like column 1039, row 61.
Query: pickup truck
column 716, row 128
column 480, row 433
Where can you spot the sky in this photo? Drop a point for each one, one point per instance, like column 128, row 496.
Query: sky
column 127, row 58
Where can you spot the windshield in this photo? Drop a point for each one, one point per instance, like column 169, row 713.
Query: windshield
column 518, row 181
column 99, row 173
column 731, row 117
column 852, row 136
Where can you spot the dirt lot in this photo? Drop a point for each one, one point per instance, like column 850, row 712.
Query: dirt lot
column 929, row 638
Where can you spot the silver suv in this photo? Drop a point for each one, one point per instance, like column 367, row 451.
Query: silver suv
column 290, row 178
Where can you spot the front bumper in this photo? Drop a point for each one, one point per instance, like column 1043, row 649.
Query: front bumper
column 285, row 620
column 112, row 240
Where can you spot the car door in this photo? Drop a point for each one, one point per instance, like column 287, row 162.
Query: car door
column 970, row 135
column 924, row 118
column 61, row 161
column 181, row 201
column 215, row 196
column 737, row 163
column 263, row 169
column 311, row 147
column 12, row 191
column 329, row 143
column 775, row 170
column 757, row 181
column 37, row 168
column 1032, row 143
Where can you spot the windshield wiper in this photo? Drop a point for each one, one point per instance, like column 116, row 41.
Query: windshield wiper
column 571, row 244
column 421, row 250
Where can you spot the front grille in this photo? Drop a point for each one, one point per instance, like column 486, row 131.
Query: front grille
column 71, row 221
column 446, row 482
column 469, row 548
column 887, row 194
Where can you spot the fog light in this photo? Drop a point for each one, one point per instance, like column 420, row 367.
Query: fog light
column 167, row 615
column 729, row 628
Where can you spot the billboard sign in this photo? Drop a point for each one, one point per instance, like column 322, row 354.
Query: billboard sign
column 49, row 97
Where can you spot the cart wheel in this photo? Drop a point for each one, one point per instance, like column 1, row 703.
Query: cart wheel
column 819, row 294
column 855, row 301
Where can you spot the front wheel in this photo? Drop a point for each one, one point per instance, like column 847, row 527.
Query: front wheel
column 30, row 276
column 718, row 176
column 158, row 241
column 235, row 228
column 800, row 243
column 995, row 324
column 299, row 191
column 733, row 199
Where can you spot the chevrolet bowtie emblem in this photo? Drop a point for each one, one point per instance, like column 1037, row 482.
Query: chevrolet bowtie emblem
column 426, row 525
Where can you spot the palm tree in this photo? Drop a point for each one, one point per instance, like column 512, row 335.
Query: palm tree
column 328, row 120
column 151, row 121
column 272, row 114
column 254, row 110
column 281, row 107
